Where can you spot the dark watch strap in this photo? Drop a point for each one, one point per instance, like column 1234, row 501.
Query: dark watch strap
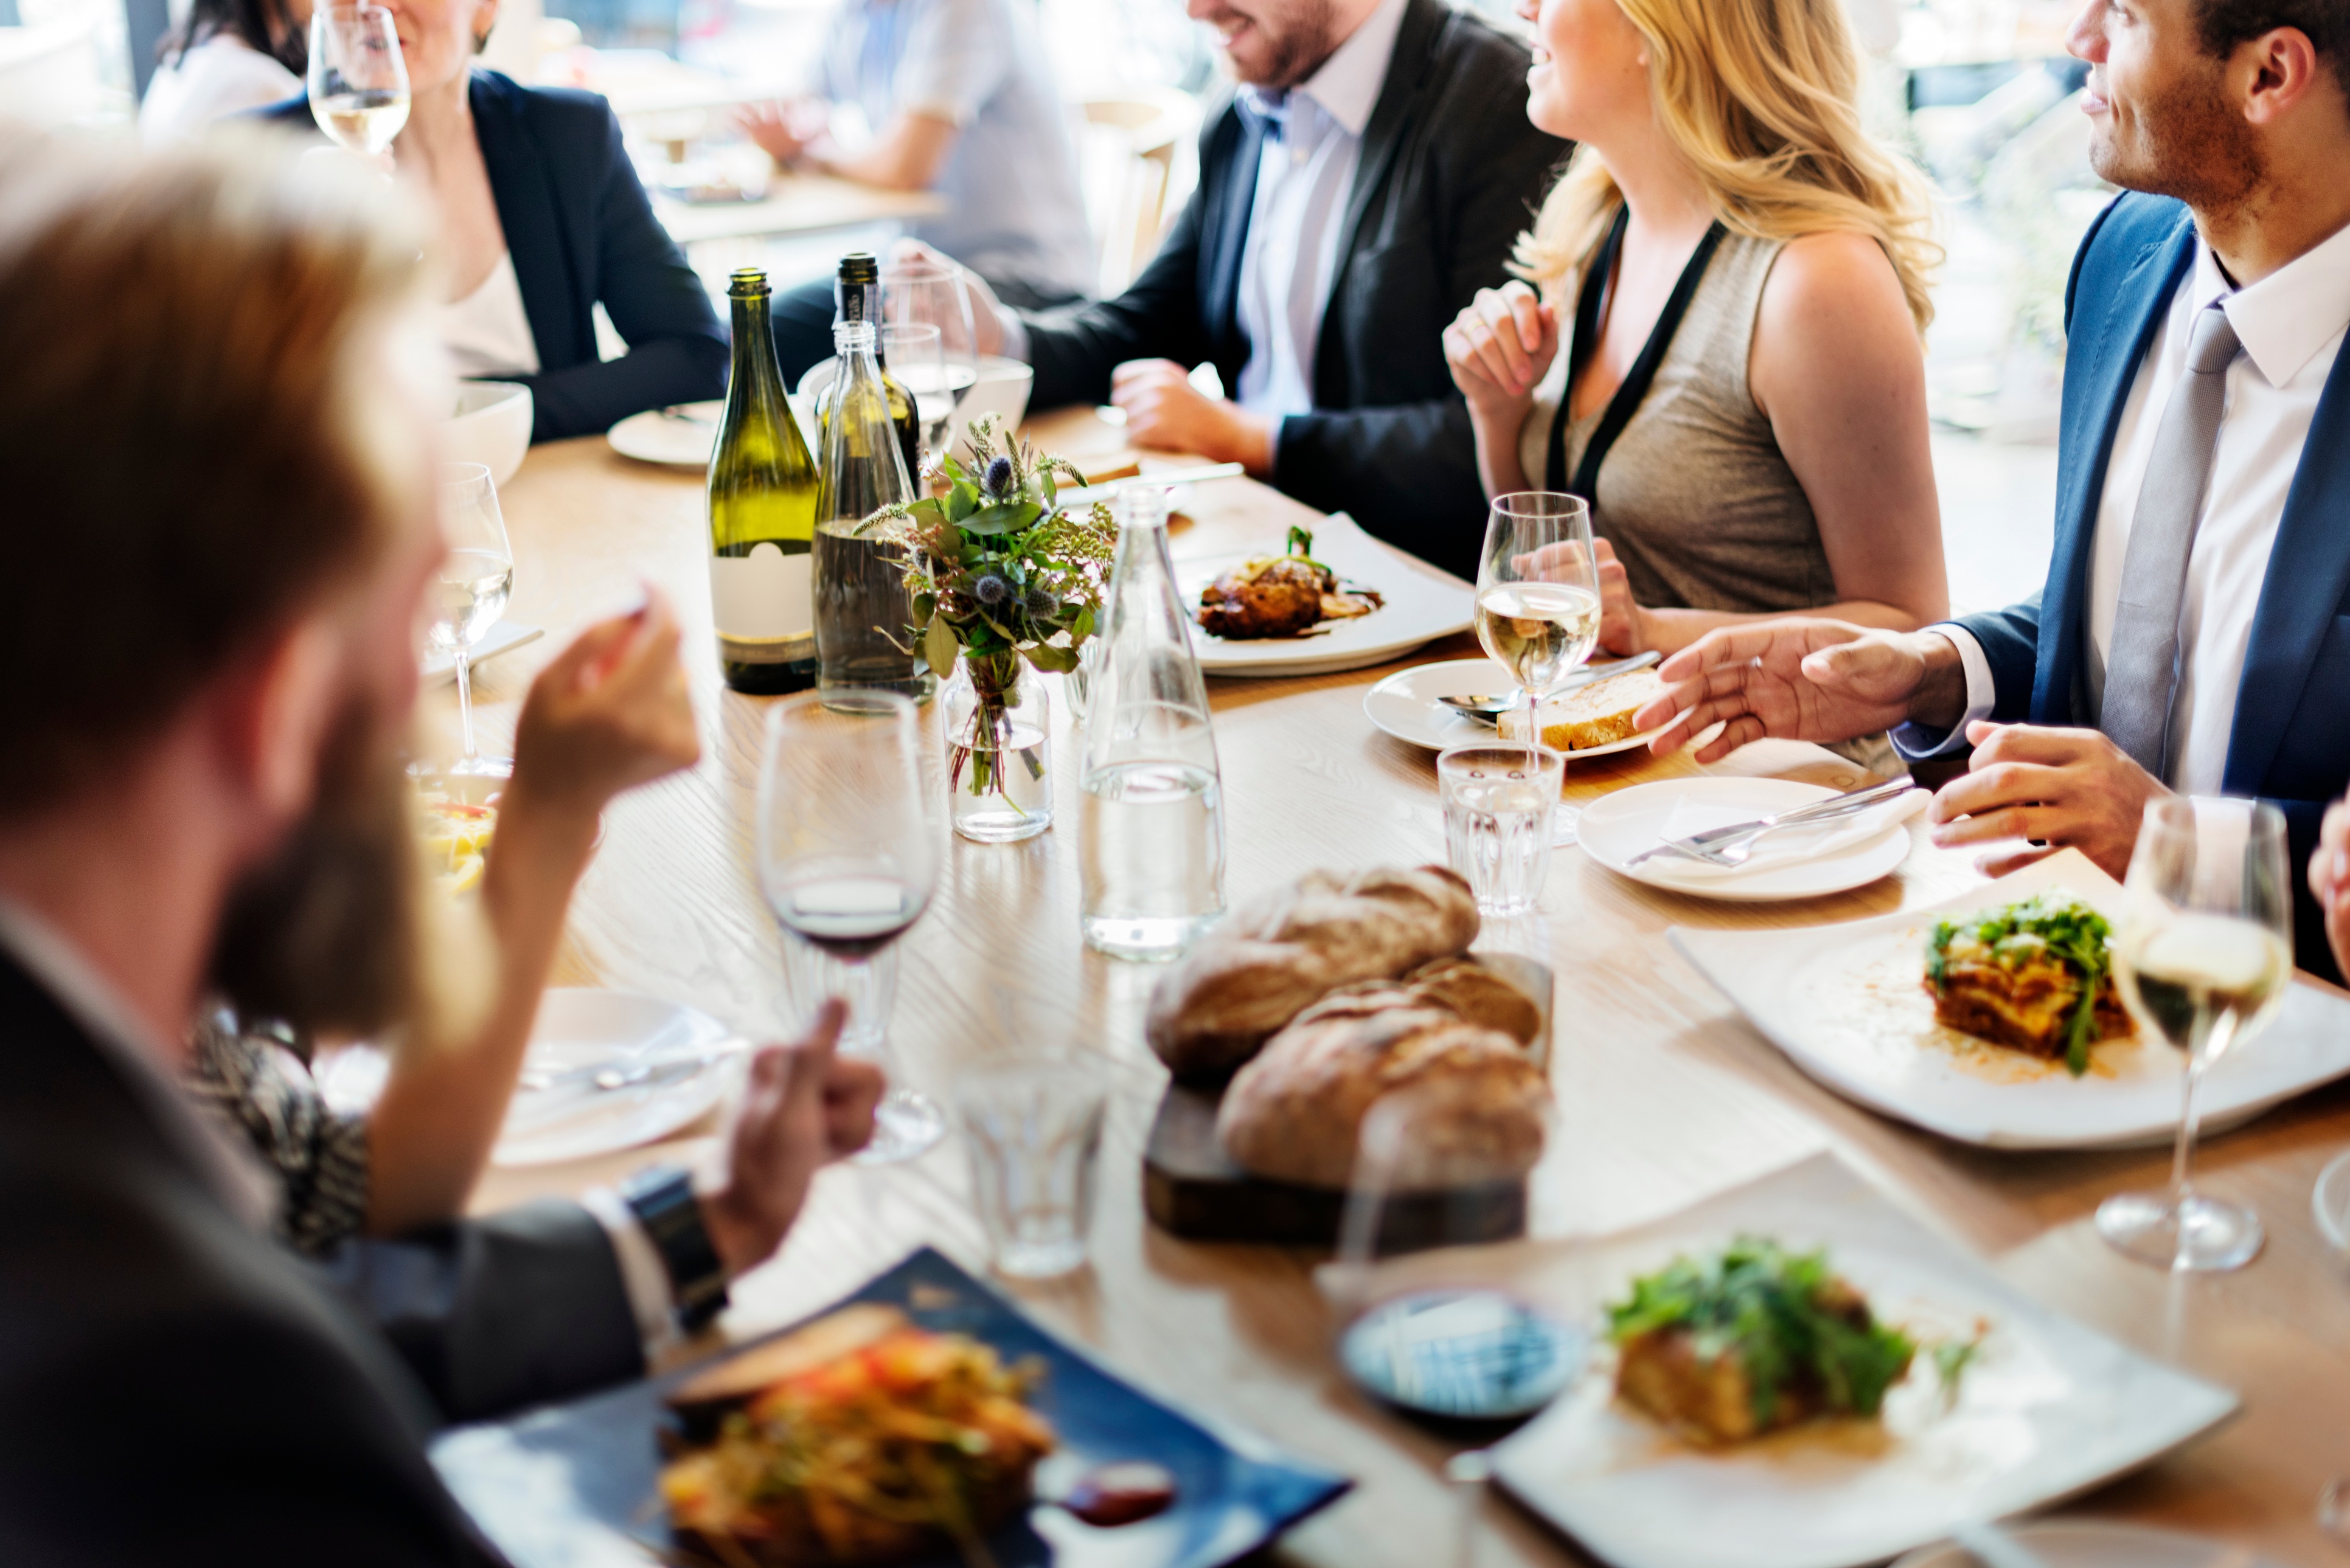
column 663, row 1201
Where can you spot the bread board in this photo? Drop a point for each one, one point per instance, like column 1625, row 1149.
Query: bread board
column 1192, row 1189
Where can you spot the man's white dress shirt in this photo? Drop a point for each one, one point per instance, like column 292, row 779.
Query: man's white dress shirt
column 2291, row 325
column 231, row 1168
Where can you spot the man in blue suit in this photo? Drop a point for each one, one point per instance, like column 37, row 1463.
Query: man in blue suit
column 2194, row 630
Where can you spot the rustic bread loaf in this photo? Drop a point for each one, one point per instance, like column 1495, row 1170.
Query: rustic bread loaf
column 1272, row 958
column 1599, row 714
column 1480, row 996
column 1293, row 1113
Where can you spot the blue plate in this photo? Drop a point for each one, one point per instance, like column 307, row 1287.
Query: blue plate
column 573, row 1486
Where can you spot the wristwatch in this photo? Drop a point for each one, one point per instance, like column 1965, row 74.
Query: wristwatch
column 663, row 1198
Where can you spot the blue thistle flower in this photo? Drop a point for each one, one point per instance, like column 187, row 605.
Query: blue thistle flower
column 991, row 589
column 1041, row 604
column 997, row 480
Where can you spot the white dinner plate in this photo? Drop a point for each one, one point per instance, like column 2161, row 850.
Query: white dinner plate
column 681, row 437
column 2046, row 1409
column 1797, row 863
column 439, row 670
column 580, row 1027
column 1849, row 1006
column 1423, row 603
column 2060, row 1543
column 1405, row 706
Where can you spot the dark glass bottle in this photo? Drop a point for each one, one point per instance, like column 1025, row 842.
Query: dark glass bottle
column 857, row 296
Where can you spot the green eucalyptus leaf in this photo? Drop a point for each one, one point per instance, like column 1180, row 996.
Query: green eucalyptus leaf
column 961, row 501
column 1044, row 656
column 927, row 510
column 939, row 648
column 1082, row 626
column 1002, row 518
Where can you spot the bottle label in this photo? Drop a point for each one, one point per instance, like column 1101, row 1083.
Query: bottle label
column 763, row 604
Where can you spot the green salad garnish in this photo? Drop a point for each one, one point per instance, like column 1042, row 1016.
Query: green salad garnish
column 2057, row 924
column 1783, row 1314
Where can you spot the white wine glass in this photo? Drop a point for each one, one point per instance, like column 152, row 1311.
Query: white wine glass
column 935, row 294
column 849, row 857
column 2202, row 961
column 358, row 80
column 470, row 593
column 1538, row 594
column 911, row 350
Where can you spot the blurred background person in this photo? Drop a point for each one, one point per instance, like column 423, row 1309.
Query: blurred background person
column 228, row 56
column 1367, row 178
column 952, row 96
column 1724, row 356
column 609, row 713
column 541, row 219
column 210, row 796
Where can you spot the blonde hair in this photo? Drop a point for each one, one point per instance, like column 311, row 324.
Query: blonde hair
column 1761, row 98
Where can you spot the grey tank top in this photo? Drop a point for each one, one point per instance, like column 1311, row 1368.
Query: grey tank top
column 1695, row 496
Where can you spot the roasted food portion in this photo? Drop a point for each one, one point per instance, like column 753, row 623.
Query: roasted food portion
column 1264, row 965
column 2036, row 976
column 860, row 1439
column 1725, row 1348
column 1280, row 595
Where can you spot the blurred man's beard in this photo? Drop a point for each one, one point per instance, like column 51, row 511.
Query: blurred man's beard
column 2189, row 144
column 326, row 935
column 1301, row 46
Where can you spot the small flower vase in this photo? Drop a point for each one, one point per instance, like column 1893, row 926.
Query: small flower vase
column 999, row 756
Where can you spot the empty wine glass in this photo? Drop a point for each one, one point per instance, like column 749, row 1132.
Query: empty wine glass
column 847, row 858
column 1538, row 594
column 474, row 581
column 935, row 294
column 2202, row 961
column 912, row 352
column 359, row 82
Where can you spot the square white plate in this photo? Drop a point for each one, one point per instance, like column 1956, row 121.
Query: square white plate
column 2048, row 1408
column 1423, row 603
column 1849, row 1006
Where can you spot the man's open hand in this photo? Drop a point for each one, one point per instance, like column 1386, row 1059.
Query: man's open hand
column 1800, row 679
column 2056, row 789
column 1163, row 409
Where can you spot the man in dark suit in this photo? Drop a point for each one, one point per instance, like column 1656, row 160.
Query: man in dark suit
column 2194, row 631
column 206, row 793
column 1370, row 175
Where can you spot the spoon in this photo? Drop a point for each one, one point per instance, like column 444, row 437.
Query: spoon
column 1489, row 709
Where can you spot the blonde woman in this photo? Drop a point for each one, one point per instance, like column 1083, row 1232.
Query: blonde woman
column 1716, row 339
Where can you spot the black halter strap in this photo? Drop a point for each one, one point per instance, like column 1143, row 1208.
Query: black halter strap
column 1590, row 308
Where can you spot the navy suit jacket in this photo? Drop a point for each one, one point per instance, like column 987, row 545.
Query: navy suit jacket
column 2290, row 744
column 581, row 229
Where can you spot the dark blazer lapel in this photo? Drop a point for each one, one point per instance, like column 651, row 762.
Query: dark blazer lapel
column 2307, row 579
column 2128, row 311
column 1226, row 237
column 1391, row 117
column 550, row 295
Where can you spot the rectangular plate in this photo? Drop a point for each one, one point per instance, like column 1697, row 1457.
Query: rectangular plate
column 2048, row 1409
column 1423, row 603
column 439, row 670
column 1847, row 1005
column 574, row 1485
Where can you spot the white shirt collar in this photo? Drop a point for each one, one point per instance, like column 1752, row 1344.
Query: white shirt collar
column 131, row 1048
column 2286, row 317
column 1347, row 85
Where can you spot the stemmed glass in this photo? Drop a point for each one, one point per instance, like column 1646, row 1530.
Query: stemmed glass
column 935, row 294
column 2202, row 961
column 914, row 356
column 848, row 859
column 359, row 82
column 1538, row 594
column 476, row 579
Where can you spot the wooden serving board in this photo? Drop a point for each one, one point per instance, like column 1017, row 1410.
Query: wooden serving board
column 1192, row 1189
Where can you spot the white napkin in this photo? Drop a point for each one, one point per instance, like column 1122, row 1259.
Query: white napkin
column 1805, row 841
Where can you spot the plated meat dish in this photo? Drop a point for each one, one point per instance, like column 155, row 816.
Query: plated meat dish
column 2036, row 976
column 1281, row 596
column 861, row 1438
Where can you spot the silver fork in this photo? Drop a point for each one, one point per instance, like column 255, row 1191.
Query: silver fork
column 1732, row 844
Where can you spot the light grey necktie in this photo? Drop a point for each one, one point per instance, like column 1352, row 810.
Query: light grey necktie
column 2142, row 663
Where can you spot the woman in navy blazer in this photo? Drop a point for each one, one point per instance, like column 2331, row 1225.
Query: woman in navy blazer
column 544, row 180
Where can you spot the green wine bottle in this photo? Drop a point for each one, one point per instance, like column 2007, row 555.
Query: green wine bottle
column 857, row 297
column 762, row 494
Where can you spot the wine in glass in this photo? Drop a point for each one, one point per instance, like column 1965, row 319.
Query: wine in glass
column 912, row 351
column 2202, row 961
column 1537, row 609
column 935, row 294
column 847, row 857
column 359, row 82
column 469, row 593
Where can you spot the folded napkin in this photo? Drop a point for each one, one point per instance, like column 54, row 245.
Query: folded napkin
column 1786, row 845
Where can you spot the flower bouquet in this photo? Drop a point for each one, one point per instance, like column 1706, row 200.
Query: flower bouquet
column 1002, row 575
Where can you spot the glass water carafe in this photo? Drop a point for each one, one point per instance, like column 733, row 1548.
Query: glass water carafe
column 864, row 635
column 1151, row 819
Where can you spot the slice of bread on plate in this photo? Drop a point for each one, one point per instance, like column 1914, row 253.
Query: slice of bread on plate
column 1599, row 714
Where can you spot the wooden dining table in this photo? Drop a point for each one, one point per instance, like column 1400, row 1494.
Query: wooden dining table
column 1666, row 1095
